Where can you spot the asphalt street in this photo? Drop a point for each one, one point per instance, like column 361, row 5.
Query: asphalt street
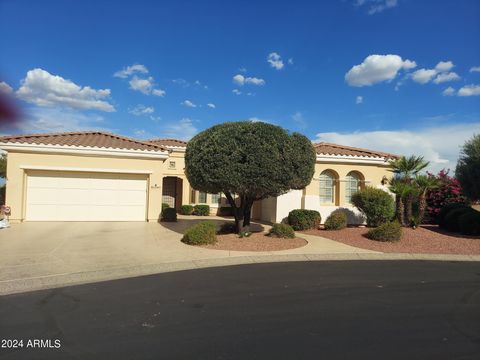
column 305, row 310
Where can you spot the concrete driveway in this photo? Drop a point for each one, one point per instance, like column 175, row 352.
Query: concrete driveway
column 78, row 252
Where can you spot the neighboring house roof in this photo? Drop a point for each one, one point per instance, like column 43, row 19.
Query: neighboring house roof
column 324, row 148
column 168, row 142
column 95, row 139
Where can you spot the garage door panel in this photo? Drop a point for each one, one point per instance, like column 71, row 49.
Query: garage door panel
column 86, row 197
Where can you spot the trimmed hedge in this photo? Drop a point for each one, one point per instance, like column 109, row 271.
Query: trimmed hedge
column 165, row 206
column 283, row 231
column 469, row 223
column 451, row 220
column 377, row 205
column 227, row 228
column 446, row 209
column 186, row 209
column 225, row 211
column 302, row 219
column 169, row 214
column 201, row 234
column 389, row 231
column 201, row 210
column 336, row 221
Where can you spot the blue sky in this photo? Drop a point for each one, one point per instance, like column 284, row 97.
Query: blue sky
column 392, row 75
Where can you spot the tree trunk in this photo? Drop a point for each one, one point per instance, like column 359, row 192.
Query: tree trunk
column 409, row 210
column 422, row 206
column 237, row 212
column 241, row 213
column 400, row 210
column 247, row 214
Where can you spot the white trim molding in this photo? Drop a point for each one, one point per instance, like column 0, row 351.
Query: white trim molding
column 79, row 169
column 84, row 150
column 351, row 159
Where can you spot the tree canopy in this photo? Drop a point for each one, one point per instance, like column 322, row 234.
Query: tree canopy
column 251, row 160
column 468, row 168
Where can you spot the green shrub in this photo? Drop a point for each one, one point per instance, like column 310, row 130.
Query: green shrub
column 186, row 209
column 227, row 228
column 301, row 219
column 451, row 221
column 164, row 206
column 469, row 223
column 446, row 209
column 169, row 214
column 201, row 234
column 225, row 211
column 389, row 231
column 377, row 205
column 201, row 210
column 336, row 221
column 282, row 231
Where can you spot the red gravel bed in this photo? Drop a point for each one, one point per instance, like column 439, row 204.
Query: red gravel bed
column 428, row 239
column 255, row 242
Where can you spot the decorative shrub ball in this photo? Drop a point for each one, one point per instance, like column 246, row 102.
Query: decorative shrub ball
column 336, row 221
column 377, row 205
column 446, row 209
column 186, row 209
column 469, row 223
column 201, row 234
column 201, row 210
column 284, row 231
column 451, row 220
column 169, row 214
column 301, row 219
column 389, row 231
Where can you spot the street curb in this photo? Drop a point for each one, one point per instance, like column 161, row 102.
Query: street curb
column 9, row 287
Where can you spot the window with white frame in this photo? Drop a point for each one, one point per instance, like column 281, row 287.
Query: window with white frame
column 216, row 198
column 202, row 197
column 327, row 187
column 352, row 185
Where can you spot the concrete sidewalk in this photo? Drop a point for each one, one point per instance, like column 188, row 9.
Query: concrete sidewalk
column 45, row 255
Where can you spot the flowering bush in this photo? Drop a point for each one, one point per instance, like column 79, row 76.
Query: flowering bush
column 448, row 191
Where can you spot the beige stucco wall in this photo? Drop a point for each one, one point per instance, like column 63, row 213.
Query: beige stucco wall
column 16, row 176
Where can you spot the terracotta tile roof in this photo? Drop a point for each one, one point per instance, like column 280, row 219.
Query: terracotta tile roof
column 168, row 142
column 96, row 139
column 334, row 149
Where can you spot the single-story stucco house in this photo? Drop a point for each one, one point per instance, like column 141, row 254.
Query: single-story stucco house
column 98, row 176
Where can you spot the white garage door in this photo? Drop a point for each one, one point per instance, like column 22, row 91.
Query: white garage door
column 67, row 196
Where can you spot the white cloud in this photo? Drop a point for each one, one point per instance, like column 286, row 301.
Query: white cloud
column 376, row 6
column 423, row 76
column 469, row 90
column 5, row 88
column 377, row 68
column 275, row 61
column 256, row 119
column 242, row 80
column 445, row 77
column 129, row 70
column 212, row 106
column 298, row 118
column 428, row 142
column 236, row 92
column 158, row 92
column 142, row 110
column 444, row 66
column 450, row 91
column 183, row 129
column 188, row 103
column 242, row 69
column 44, row 89
column 290, row 61
column 359, row 100
column 475, row 69
column 41, row 120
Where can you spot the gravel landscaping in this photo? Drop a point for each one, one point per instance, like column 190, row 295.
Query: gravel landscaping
column 428, row 239
column 256, row 242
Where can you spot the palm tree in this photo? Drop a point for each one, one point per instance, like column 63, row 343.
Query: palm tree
column 400, row 189
column 405, row 169
column 424, row 183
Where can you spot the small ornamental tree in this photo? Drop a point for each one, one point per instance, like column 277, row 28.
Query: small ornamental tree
column 447, row 191
column 468, row 168
column 248, row 161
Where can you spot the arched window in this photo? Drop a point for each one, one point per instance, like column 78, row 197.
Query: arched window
column 353, row 183
column 327, row 187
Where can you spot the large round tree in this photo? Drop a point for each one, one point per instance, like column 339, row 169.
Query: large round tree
column 248, row 161
column 468, row 168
